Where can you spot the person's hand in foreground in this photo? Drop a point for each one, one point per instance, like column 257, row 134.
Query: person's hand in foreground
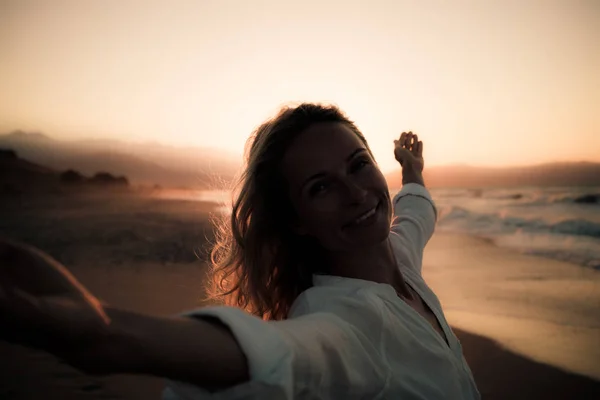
column 42, row 305
column 408, row 151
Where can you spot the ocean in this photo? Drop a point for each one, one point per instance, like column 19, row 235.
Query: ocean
column 560, row 223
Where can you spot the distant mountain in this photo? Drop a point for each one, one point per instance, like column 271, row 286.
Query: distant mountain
column 147, row 163
column 14, row 169
column 550, row 174
column 19, row 176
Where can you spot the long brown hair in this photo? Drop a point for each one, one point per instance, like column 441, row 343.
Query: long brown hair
column 257, row 262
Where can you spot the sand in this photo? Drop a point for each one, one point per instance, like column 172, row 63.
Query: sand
column 541, row 308
column 139, row 254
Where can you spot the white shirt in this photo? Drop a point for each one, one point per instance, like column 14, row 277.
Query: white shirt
column 351, row 338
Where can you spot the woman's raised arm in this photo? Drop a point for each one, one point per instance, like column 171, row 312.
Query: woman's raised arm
column 415, row 213
column 414, row 223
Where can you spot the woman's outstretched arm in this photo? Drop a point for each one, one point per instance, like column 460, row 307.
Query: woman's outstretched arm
column 199, row 351
column 202, row 352
column 42, row 305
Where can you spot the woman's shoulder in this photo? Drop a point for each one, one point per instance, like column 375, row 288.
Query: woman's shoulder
column 340, row 301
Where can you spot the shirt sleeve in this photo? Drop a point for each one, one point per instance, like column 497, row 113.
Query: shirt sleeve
column 316, row 355
column 414, row 223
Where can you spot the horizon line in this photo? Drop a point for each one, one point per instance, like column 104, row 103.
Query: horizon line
column 234, row 153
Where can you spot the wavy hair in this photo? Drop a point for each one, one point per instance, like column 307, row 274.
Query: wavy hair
column 257, row 262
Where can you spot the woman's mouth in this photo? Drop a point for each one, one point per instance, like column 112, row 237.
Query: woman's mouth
column 364, row 219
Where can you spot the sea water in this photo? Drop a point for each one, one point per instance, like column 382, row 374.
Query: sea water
column 555, row 222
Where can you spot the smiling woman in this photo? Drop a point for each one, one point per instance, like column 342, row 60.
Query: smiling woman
column 323, row 291
column 310, row 175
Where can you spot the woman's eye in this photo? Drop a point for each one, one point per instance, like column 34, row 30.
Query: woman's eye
column 360, row 164
column 318, row 188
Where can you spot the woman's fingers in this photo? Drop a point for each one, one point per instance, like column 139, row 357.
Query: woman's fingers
column 35, row 271
column 402, row 139
column 410, row 141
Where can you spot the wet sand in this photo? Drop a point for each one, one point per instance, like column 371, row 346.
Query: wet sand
column 544, row 309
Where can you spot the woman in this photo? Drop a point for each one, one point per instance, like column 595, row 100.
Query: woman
column 330, row 301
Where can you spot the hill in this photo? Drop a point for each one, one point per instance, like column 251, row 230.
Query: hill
column 550, row 174
column 146, row 163
column 19, row 176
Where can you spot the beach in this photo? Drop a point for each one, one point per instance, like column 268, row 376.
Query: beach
column 527, row 324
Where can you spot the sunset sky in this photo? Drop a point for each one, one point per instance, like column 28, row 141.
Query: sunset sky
column 482, row 82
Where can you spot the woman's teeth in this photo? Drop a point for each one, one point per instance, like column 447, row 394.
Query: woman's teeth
column 365, row 216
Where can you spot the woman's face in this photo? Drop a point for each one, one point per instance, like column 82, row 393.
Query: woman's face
column 339, row 194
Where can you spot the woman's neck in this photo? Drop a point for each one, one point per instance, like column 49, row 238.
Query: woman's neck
column 376, row 263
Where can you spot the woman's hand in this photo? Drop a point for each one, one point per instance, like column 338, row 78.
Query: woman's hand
column 42, row 304
column 409, row 152
column 35, row 272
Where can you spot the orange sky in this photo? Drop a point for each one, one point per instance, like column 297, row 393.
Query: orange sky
column 483, row 82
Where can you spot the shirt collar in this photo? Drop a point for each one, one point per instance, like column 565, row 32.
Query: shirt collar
column 340, row 281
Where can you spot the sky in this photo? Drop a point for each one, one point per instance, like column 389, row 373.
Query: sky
column 490, row 83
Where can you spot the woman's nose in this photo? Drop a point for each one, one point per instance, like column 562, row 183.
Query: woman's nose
column 355, row 193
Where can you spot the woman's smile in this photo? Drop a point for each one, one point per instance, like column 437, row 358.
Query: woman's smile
column 365, row 219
